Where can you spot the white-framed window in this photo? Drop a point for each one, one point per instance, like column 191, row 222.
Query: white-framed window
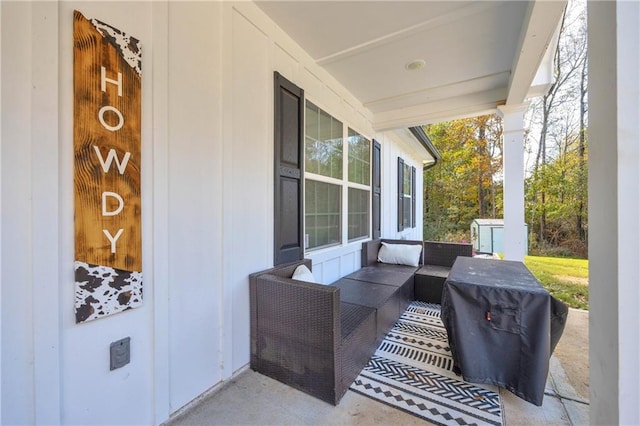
column 337, row 181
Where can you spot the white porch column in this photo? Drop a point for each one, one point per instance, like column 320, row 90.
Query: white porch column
column 513, row 164
column 614, row 211
column 0, row 219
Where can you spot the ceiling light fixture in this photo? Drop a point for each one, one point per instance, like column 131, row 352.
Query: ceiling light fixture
column 415, row 65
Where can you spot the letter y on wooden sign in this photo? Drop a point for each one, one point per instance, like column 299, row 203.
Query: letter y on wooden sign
column 107, row 77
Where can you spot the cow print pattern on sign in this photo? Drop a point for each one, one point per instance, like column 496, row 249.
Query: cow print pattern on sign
column 128, row 46
column 101, row 291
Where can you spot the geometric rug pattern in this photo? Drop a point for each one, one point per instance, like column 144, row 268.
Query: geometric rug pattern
column 412, row 370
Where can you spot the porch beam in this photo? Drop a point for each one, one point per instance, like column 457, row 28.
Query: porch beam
column 513, row 183
column 537, row 33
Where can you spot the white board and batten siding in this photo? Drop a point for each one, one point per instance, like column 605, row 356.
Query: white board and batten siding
column 207, row 205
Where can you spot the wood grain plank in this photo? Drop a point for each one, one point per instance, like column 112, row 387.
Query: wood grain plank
column 91, row 52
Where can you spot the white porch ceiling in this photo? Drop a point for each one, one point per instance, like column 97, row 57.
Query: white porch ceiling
column 478, row 54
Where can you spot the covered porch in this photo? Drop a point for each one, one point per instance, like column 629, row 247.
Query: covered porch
column 207, row 183
column 501, row 79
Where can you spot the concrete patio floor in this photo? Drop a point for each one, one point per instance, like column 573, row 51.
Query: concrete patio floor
column 253, row 399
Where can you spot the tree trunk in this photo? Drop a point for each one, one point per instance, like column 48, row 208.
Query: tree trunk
column 541, row 161
column 493, row 200
column 581, row 150
column 481, row 152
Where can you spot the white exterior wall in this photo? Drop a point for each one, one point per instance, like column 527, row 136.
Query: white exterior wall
column 195, row 158
column 30, row 215
column 84, row 352
column 207, row 205
column 394, row 145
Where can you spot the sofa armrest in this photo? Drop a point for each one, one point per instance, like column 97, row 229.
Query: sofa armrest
column 285, row 271
column 369, row 254
column 306, row 312
column 296, row 333
column 283, row 309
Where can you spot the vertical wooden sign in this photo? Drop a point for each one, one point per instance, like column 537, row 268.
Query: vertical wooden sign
column 107, row 76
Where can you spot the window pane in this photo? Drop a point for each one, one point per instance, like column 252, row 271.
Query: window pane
column 311, row 131
column 407, row 180
column 406, row 196
column 358, row 213
column 323, row 143
column 359, row 158
column 322, row 213
column 406, row 212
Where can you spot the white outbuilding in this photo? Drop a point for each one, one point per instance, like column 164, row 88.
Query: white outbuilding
column 487, row 235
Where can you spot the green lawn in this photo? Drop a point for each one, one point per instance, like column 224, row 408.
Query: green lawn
column 566, row 279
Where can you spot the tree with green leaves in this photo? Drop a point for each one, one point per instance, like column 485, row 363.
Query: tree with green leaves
column 467, row 183
column 558, row 136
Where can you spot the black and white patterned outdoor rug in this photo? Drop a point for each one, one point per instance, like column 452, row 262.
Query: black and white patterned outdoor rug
column 412, row 370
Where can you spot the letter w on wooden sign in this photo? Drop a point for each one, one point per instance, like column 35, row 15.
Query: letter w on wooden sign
column 107, row 77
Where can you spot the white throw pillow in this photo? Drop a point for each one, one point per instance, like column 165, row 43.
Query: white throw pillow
column 302, row 273
column 400, row 254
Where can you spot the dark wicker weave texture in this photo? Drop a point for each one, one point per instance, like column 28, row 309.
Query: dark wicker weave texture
column 438, row 260
column 317, row 338
column 297, row 335
column 444, row 254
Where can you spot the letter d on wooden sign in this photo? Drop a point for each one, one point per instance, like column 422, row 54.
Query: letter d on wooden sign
column 107, row 80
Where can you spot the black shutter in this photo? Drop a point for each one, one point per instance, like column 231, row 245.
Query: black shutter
column 413, row 197
column 376, row 192
column 288, row 163
column 400, row 193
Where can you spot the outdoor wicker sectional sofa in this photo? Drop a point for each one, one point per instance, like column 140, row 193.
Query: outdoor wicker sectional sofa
column 317, row 338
